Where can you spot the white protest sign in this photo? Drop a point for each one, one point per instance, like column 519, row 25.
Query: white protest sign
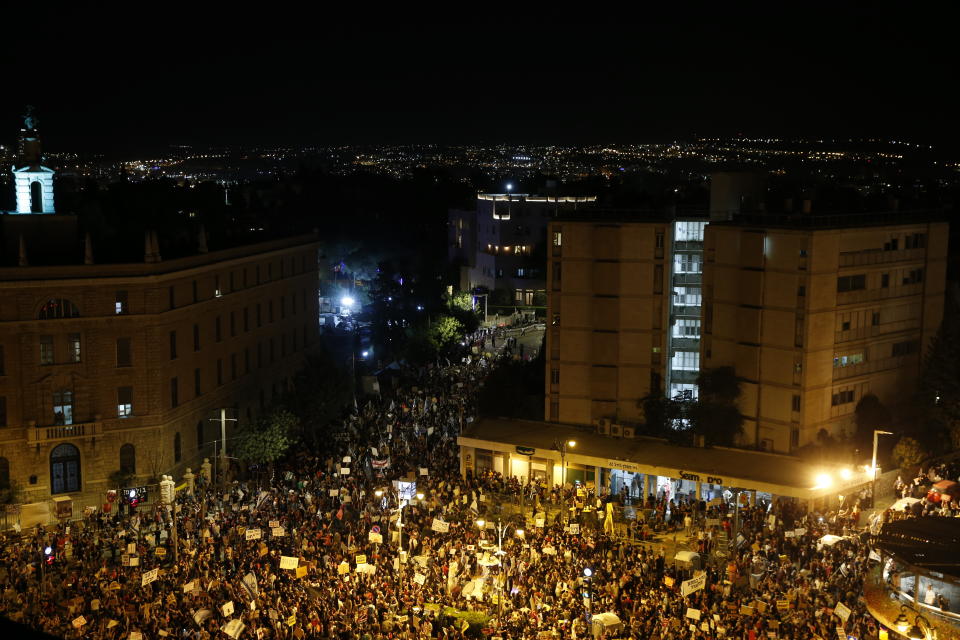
column 874, row 555
column 188, row 588
column 149, row 576
column 274, row 524
column 347, row 459
column 278, row 532
column 420, row 578
column 344, row 471
column 334, row 493
column 440, row 526
column 289, row 562
column 375, row 537
column 693, row 614
column 253, row 534
column 374, row 451
column 227, row 609
column 233, row 628
column 538, row 523
column 424, row 471
column 693, row 584
column 575, row 529
column 842, row 611
column 78, row 622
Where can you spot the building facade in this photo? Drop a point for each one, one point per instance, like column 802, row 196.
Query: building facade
column 812, row 312
column 502, row 244
column 815, row 312
column 125, row 367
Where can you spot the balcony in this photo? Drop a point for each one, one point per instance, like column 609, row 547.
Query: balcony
column 685, row 343
column 879, row 256
column 869, row 295
column 861, row 333
column 54, row 433
column 871, row 366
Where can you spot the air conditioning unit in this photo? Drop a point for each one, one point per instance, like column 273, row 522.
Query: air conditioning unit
column 616, row 430
column 628, row 432
column 603, row 426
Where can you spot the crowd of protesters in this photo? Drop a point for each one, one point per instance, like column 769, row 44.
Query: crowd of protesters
column 334, row 546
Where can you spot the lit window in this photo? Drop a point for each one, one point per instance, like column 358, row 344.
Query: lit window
column 124, row 402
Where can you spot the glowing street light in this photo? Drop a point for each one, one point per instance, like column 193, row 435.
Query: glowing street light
column 347, row 301
column 823, row 481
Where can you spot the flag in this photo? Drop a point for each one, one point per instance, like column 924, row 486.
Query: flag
column 380, row 464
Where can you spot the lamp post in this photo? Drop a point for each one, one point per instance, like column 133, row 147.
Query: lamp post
column 873, row 467
column 562, row 446
column 501, row 529
column 588, row 574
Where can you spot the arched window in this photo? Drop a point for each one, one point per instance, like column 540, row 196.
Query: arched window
column 199, row 436
column 128, row 459
column 56, row 308
column 4, row 474
column 177, row 449
column 64, row 469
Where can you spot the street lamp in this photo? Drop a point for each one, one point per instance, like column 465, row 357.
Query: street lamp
column 403, row 503
column 873, row 467
column 562, row 446
column 588, row 574
column 501, row 529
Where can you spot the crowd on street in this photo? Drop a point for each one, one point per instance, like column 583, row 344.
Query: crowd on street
column 379, row 535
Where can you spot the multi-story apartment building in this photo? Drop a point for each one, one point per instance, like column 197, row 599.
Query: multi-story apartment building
column 608, row 316
column 109, row 367
column 502, row 244
column 814, row 312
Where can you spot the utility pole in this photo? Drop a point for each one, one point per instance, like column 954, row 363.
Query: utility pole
column 873, row 467
column 223, row 420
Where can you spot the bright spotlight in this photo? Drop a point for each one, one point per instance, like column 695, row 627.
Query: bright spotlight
column 846, row 474
column 347, row 301
column 824, row 480
column 509, row 186
column 588, row 572
column 48, row 550
column 365, row 354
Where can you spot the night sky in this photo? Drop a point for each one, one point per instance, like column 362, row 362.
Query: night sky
column 849, row 76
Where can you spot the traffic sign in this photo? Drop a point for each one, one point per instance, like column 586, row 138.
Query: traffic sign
column 526, row 451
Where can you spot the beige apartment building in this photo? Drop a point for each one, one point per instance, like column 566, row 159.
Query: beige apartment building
column 123, row 366
column 607, row 286
column 814, row 312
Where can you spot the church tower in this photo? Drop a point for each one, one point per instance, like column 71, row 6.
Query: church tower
column 33, row 182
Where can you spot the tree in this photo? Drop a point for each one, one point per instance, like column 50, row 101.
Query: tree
column 321, row 393
column 266, row 440
column 446, row 331
column 870, row 414
column 909, row 453
column 937, row 401
column 715, row 415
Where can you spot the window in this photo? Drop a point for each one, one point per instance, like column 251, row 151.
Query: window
column 556, row 319
column 259, row 317
column 555, row 376
column 259, row 355
column 270, row 311
column 905, row 348
column 658, row 278
column 124, row 402
column 200, row 435
column 686, row 328
column 196, row 383
column 63, row 406
column 851, row 283
column 801, row 291
column 246, row 360
column 233, row 366
column 875, row 318
column 803, row 253
column 128, row 459
column 194, row 289
column 845, row 326
column 659, row 240
column 293, row 303
column 258, row 274
column 283, row 306
column 557, row 273
column 884, row 280
column 216, row 287
column 196, row 337
column 842, row 397
column 246, row 319
column 233, row 324
column 73, row 347
column 232, row 288
column 123, row 352
column 848, row 360
column 685, row 361
column 244, row 277
column 794, row 438
column 914, row 276
column 3, row 370
column 173, row 297
column 58, row 308
column 798, row 331
column 216, row 329
column 269, row 271
column 120, row 303
column 219, row 372
column 173, row 345
column 796, row 403
column 687, row 263
column 3, row 411
column 46, row 349
column 688, row 296
column 557, row 238
column 174, row 393
column 177, row 447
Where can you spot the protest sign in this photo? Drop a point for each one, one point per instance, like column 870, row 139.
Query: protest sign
column 539, row 522
column 227, row 609
column 253, row 534
column 344, row 471
column 667, row 580
column 343, row 568
column 233, row 628
column 289, row 562
column 361, row 559
column 693, row 584
column 783, row 605
column 135, row 635
column 274, row 524
column 334, row 493
column 160, row 551
column 575, row 529
column 278, row 532
column 746, row 610
column 375, row 537
column 693, row 614
column 440, row 526
column 292, row 620
column 420, row 578
column 301, row 571
column 201, row 615
column 78, row 622
column 347, row 459
column 188, row 588
column 842, row 611
column 149, row 576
